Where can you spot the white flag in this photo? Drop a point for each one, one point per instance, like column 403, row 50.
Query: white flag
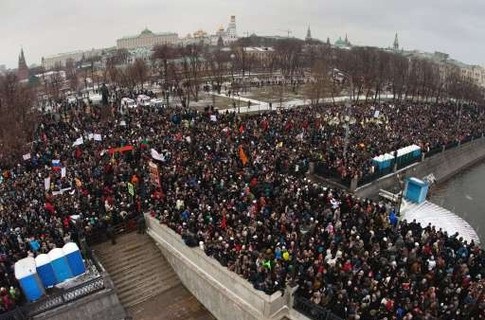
column 78, row 142
column 26, row 156
column 63, row 172
column 213, row 118
column 157, row 156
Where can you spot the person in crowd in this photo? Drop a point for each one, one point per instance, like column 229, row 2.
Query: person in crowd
column 236, row 186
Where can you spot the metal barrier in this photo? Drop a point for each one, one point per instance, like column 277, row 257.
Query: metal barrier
column 56, row 300
column 376, row 175
column 313, row 311
column 100, row 235
column 65, row 296
column 330, row 173
column 433, row 151
column 452, row 145
column 403, row 163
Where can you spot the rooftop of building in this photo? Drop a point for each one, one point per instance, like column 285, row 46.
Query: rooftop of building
column 146, row 32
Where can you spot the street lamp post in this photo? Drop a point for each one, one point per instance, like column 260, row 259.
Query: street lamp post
column 348, row 106
column 347, row 129
column 400, row 194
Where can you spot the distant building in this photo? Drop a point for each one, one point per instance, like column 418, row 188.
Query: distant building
column 49, row 75
column 395, row 46
column 473, row 72
column 343, row 44
column 308, row 34
column 446, row 65
column 261, row 54
column 231, row 29
column 221, row 37
column 23, row 70
column 60, row 59
column 144, row 54
column 147, row 39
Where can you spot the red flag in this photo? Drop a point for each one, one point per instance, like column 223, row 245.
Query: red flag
column 120, row 149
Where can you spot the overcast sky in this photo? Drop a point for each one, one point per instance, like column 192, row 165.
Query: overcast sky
column 46, row 27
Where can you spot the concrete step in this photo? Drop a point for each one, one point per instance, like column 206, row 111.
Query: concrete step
column 124, row 241
column 120, row 258
column 126, row 248
column 139, row 276
column 145, row 283
column 137, row 267
column 132, row 300
column 153, row 267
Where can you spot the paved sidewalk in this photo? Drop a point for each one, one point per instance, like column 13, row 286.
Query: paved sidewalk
column 257, row 105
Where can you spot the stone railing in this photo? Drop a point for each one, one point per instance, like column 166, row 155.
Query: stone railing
column 224, row 293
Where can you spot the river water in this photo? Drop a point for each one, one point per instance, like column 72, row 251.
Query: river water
column 464, row 194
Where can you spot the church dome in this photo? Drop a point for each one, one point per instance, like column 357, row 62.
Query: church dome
column 146, row 31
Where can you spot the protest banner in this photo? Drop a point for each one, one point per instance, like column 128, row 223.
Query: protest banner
column 120, row 149
column 131, row 189
column 154, row 173
column 47, row 183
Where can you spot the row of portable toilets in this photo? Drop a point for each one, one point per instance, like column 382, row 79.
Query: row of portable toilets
column 47, row 270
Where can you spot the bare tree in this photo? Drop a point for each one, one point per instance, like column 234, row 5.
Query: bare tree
column 192, row 66
column 17, row 118
column 161, row 56
column 71, row 75
column 319, row 86
column 289, row 54
column 139, row 72
column 217, row 64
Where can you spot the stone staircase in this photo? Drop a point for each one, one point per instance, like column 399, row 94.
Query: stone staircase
column 137, row 268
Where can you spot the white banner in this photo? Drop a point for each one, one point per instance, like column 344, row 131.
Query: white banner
column 26, row 156
column 63, row 172
column 97, row 137
column 55, row 193
column 47, row 183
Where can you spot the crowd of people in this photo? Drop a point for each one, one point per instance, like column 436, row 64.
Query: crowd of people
column 236, row 186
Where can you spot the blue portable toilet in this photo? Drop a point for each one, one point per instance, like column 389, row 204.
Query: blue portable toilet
column 45, row 270
column 60, row 265
column 74, row 258
column 416, row 150
column 26, row 274
column 416, row 190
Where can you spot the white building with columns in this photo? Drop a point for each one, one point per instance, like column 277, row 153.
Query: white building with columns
column 147, row 39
